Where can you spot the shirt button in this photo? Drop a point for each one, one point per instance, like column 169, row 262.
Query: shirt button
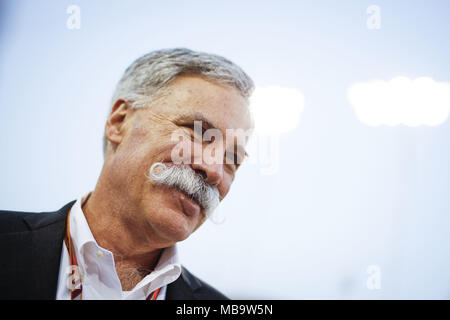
column 99, row 254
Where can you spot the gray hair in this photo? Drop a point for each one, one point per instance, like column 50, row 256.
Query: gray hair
column 152, row 72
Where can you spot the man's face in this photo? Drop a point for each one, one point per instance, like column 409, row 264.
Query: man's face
column 167, row 215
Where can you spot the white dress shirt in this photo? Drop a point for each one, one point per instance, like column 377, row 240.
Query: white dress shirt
column 97, row 269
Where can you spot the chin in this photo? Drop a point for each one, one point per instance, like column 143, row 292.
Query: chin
column 173, row 225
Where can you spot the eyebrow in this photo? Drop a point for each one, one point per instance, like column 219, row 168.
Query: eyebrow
column 195, row 116
column 206, row 123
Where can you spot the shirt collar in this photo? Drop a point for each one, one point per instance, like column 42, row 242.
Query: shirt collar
column 79, row 230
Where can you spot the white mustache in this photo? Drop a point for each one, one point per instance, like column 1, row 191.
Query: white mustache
column 185, row 179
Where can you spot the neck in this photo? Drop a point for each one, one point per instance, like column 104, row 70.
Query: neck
column 134, row 256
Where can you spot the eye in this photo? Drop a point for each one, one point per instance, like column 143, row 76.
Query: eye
column 195, row 136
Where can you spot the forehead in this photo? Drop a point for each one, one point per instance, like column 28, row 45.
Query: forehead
column 221, row 105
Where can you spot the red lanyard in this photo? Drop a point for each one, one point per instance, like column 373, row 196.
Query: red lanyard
column 76, row 289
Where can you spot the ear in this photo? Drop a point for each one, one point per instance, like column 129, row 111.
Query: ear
column 114, row 129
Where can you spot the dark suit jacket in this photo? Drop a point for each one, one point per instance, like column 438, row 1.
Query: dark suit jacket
column 30, row 253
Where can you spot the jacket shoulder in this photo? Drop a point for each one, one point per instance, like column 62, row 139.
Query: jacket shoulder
column 13, row 221
column 20, row 221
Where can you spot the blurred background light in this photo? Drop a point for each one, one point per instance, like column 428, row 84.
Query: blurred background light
column 401, row 101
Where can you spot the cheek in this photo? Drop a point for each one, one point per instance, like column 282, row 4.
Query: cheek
column 150, row 147
column 181, row 151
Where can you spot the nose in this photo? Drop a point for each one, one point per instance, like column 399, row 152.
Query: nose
column 211, row 173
